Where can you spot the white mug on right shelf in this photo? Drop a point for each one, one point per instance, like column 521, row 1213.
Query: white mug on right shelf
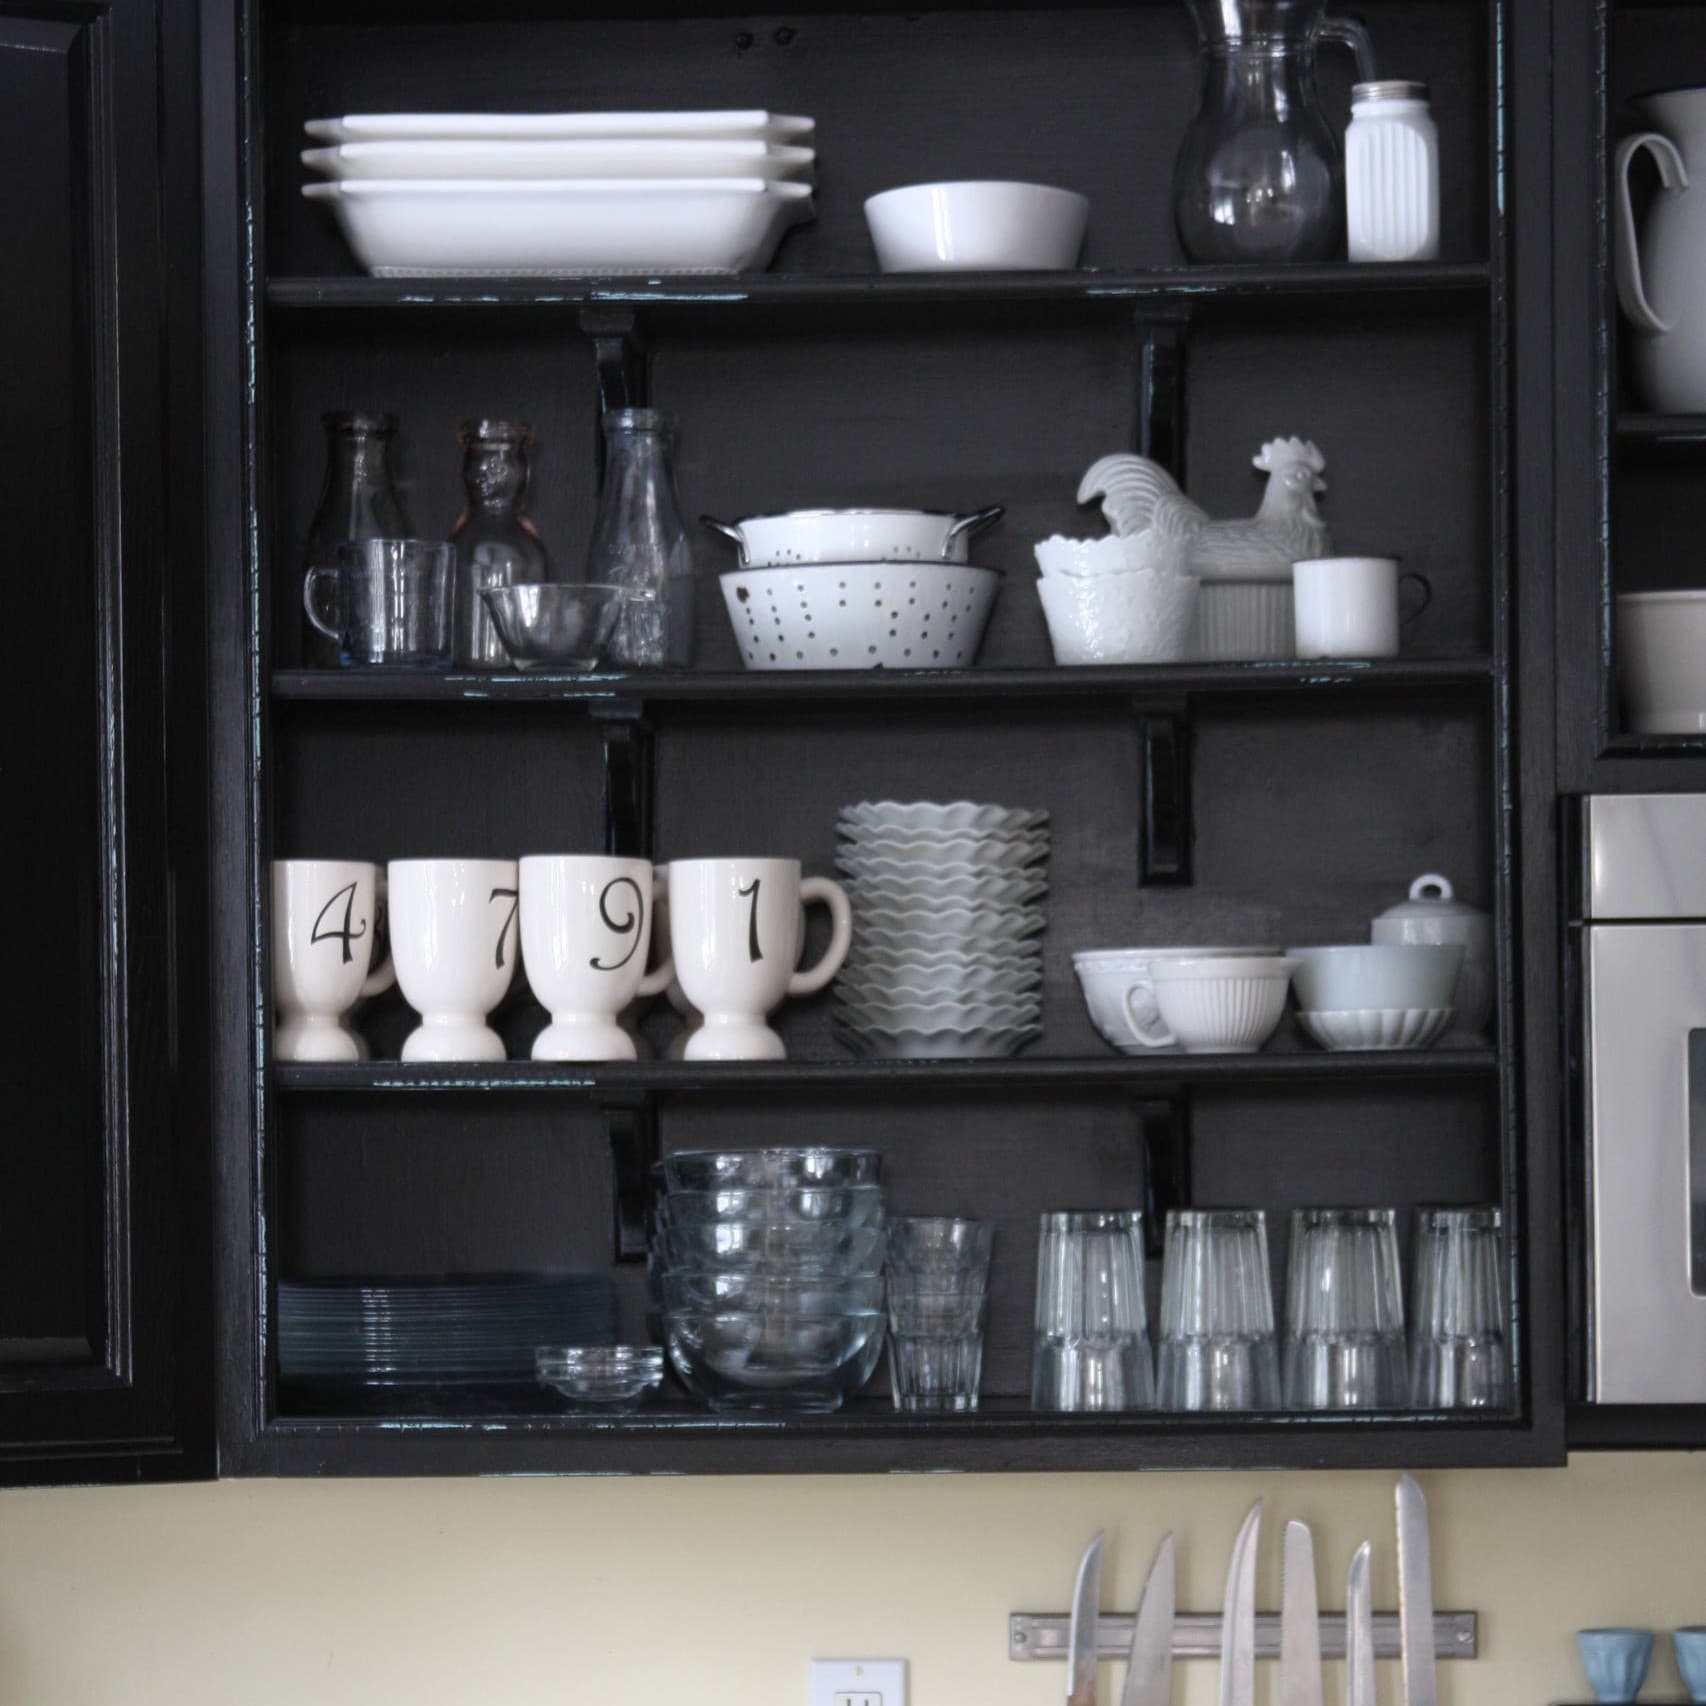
column 735, row 930
column 1347, row 607
column 325, row 914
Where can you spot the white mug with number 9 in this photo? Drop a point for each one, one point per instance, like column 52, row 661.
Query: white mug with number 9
column 454, row 942
column 324, row 916
column 735, row 931
column 586, row 933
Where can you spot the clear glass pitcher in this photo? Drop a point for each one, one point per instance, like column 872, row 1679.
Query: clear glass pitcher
column 1259, row 175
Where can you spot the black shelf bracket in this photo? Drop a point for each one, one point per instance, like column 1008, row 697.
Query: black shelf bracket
column 1164, row 1129
column 1161, row 391
column 1164, row 835
column 632, row 1127
column 627, row 736
column 621, row 364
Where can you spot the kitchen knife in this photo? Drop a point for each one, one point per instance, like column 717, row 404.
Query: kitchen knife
column 1081, row 1649
column 1149, row 1670
column 1238, row 1617
column 1415, row 1596
column 1300, row 1621
column 1359, row 1632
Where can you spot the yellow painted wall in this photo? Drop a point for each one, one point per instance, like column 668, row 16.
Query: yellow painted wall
column 716, row 1592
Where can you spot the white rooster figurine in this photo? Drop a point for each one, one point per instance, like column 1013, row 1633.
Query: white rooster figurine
column 1137, row 494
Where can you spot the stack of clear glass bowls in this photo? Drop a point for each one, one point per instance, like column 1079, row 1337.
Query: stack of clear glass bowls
column 767, row 1274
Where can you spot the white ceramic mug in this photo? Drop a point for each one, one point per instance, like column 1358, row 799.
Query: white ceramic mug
column 1142, row 1011
column 586, row 935
column 454, row 942
column 325, row 915
column 1347, row 607
column 736, row 927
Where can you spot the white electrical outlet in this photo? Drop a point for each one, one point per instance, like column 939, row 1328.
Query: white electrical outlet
column 858, row 1682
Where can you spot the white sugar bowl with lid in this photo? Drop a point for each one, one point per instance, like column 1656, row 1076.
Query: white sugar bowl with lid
column 1434, row 916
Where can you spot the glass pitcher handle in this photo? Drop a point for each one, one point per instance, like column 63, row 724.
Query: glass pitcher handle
column 1347, row 32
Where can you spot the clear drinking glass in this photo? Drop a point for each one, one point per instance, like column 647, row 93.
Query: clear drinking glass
column 1217, row 1349
column 942, row 1246
column 1459, row 1350
column 387, row 603
column 935, row 1343
column 639, row 541
column 1344, row 1312
column 357, row 501
column 496, row 545
column 1091, row 1350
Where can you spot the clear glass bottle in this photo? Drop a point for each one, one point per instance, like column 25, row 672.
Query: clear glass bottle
column 1258, row 175
column 496, row 545
column 639, row 541
column 357, row 501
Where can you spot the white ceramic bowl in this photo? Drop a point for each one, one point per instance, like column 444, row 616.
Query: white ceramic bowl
column 1108, row 975
column 582, row 157
column 1112, row 555
column 957, row 817
column 941, row 1043
column 936, row 965
column 854, row 536
column 1222, row 1006
column 901, row 855
column 965, row 923
column 1359, row 976
column 920, row 988
column 1118, row 618
column 1235, row 621
column 977, row 227
column 859, row 615
column 1377, row 1028
column 1661, row 661
column 994, row 888
column 1002, row 1014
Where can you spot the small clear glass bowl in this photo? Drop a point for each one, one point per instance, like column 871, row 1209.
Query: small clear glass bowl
column 786, row 1169
column 555, row 624
column 612, row 1377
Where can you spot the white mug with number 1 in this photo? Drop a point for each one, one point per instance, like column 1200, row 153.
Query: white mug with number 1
column 454, row 942
column 735, row 932
column 324, row 918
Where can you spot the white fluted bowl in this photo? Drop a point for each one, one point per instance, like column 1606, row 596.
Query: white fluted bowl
column 1141, row 617
column 1377, row 1028
column 1222, row 1006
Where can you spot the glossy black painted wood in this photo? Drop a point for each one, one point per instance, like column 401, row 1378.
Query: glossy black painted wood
column 104, row 1369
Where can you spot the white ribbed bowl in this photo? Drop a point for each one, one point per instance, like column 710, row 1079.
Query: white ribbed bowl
column 899, row 854
column 1118, row 618
column 1240, row 620
column 873, row 895
column 957, row 817
column 1378, row 1027
column 1223, row 1006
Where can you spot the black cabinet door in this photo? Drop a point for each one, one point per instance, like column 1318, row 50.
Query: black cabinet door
column 102, row 1082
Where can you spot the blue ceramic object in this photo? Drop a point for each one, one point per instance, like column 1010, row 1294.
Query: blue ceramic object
column 1615, row 1660
column 1690, row 1645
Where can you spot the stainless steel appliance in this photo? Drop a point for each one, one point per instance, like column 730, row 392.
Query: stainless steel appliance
column 1640, row 929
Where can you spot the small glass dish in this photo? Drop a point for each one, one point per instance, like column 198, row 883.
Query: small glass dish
column 608, row 1377
column 555, row 624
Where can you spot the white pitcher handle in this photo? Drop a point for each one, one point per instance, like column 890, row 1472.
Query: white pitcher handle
column 834, row 896
column 656, row 981
column 1144, row 1017
column 1673, row 177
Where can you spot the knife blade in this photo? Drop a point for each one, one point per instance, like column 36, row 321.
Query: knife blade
column 1359, row 1632
column 1300, row 1621
column 1081, row 1648
column 1415, row 1596
column 1149, row 1669
column 1238, row 1617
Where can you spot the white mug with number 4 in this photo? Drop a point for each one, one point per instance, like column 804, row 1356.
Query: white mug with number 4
column 325, row 914
column 735, row 931
column 586, row 934
column 454, row 942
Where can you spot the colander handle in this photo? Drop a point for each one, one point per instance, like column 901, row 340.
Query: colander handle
column 973, row 523
column 729, row 531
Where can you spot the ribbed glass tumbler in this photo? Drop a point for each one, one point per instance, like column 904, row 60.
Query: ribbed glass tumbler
column 938, row 1284
column 1344, row 1312
column 1459, row 1348
column 1217, row 1347
column 1091, row 1350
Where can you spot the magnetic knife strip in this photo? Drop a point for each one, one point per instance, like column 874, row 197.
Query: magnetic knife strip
column 1196, row 1635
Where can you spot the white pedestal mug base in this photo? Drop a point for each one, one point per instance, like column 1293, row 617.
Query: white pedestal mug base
column 453, row 1036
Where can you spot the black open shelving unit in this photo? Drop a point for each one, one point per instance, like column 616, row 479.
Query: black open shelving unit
column 1188, row 802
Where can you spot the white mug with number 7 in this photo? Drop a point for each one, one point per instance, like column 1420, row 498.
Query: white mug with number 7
column 454, row 942
column 735, row 932
column 586, row 933
column 324, row 918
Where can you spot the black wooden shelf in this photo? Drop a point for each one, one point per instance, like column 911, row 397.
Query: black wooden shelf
column 1636, row 1427
column 1147, row 1074
column 770, row 299
column 1163, row 681
column 1662, row 429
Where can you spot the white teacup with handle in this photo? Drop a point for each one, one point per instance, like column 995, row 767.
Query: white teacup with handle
column 586, row 934
column 325, row 915
column 1142, row 1013
column 736, row 931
